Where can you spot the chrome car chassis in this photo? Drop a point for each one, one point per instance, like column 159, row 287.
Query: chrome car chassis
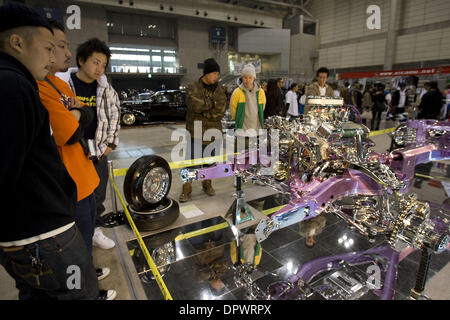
column 324, row 158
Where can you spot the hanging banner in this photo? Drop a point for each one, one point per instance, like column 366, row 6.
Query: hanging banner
column 394, row 73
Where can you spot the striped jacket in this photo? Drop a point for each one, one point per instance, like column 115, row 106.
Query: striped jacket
column 108, row 112
column 237, row 106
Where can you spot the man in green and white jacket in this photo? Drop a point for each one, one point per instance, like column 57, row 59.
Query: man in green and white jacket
column 247, row 103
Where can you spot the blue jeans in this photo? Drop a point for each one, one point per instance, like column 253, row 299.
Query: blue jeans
column 85, row 215
column 57, row 254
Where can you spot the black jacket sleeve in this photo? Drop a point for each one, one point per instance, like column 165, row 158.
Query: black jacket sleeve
column 16, row 136
column 87, row 114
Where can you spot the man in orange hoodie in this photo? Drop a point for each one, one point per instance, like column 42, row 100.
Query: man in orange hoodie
column 68, row 119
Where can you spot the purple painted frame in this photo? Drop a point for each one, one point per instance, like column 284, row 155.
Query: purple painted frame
column 309, row 199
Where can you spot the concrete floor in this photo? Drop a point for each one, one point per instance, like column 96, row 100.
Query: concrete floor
column 156, row 139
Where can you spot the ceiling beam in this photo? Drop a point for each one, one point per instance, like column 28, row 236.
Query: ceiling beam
column 202, row 9
column 290, row 5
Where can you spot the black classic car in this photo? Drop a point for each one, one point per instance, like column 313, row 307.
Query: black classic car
column 148, row 108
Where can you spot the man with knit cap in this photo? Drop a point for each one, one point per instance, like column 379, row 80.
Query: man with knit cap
column 247, row 104
column 206, row 102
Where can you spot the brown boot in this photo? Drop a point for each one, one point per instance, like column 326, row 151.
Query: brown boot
column 186, row 193
column 207, row 187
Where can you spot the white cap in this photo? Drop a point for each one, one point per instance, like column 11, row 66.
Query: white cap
column 249, row 69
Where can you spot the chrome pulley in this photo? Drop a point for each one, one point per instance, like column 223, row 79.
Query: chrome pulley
column 404, row 135
column 415, row 228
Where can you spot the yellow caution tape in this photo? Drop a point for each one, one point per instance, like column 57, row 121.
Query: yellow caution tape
column 219, row 226
column 183, row 163
column 202, row 231
column 439, row 178
column 378, row 132
column 272, row 210
column 120, row 172
column 196, row 162
column 151, row 263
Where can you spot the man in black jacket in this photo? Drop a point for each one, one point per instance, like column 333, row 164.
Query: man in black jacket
column 40, row 246
column 431, row 103
column 378, row 107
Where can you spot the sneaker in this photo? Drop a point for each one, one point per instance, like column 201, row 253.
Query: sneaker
column 102, row 241
column 102, row 273
column 107, row 295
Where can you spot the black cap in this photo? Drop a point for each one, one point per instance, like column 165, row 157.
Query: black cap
column 210, row 65
column 14, row 15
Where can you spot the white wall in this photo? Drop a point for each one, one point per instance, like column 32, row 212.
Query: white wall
column 429, row 45
column 266, row 41
column 421, row 12
column 194, row 48
column 423, row 32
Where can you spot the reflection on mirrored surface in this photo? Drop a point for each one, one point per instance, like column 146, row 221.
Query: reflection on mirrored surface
column 202, row 266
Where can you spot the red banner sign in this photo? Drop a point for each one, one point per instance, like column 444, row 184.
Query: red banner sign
column 394, row 73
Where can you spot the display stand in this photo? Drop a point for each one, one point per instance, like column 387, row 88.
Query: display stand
column 239, row 210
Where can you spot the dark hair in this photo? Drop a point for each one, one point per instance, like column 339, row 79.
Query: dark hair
column 323, row 70
column 272, row 87
column 434, row 85
column 380, row 86
column 86, row 49
column 292, row 86
column 55, row 24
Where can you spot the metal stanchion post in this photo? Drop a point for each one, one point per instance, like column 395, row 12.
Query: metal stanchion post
column 113, row 194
